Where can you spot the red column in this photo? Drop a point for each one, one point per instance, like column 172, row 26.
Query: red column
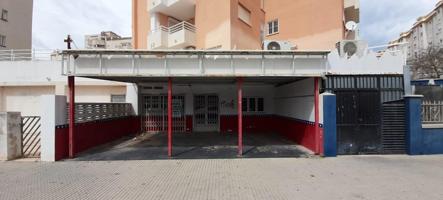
column 317, row 115
column 170, row 117
column 71, row 86
column 240, row 116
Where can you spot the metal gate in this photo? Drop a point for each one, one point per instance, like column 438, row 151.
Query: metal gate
column 156, row 113
column 360, row 112
column 206, row 112
column 393, row 128
column 31, row 136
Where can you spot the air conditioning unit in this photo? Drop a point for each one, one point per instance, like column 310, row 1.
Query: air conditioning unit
column 278, row 45
column 349, row 48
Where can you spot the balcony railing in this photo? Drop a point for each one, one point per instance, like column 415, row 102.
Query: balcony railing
column 182, row 26
column 28, row 55
column 177, row 36
column 432, row 112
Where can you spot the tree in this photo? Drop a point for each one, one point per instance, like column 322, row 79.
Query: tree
column 428, row 64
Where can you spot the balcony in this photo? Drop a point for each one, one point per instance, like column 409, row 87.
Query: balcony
column 179, row 36
column 158, row 38
column 179, row 9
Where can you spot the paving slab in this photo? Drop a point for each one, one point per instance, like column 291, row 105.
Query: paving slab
column 348, row 177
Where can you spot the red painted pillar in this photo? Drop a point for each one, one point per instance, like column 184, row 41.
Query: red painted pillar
column 317, row 115
column 71, row 86
column 240, row 115
column 170, row 117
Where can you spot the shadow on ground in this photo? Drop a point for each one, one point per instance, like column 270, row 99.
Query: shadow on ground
column 196, row 146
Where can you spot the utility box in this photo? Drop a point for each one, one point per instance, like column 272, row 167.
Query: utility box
column 10, row 136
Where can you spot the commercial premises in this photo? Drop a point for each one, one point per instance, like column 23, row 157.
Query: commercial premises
column 211, row 87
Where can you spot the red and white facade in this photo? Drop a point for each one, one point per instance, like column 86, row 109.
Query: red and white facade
column 230, row 92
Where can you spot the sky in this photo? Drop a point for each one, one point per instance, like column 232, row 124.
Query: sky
column 381, row 20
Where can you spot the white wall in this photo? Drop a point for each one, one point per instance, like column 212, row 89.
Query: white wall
column 98, row 94
column 24, row 99
column 296, row 100
column 53, row 109
column 23, row 82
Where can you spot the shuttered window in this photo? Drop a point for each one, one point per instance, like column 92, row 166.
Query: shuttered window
column 244, row 14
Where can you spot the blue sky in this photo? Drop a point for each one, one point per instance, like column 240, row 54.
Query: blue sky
column 381, row 20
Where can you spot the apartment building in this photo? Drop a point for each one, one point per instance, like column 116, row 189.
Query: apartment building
column 426, row 32
column 241, row 24
column 16, row 24
column 107, row 40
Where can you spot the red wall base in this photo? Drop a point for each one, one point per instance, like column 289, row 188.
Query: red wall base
column 92, row 134
column 299, row 131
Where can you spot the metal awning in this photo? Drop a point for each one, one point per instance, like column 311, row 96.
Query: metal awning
column 125, row 64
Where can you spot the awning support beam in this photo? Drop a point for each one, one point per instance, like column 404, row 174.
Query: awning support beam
column 240, row 115
column 71, row 86
column 169, row 117
column 317, row 116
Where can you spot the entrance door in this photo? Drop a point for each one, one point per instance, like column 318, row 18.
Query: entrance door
column 358, row 122
column 156, row 113
column 206, row 113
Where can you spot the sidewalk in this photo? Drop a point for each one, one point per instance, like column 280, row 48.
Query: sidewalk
column 353, row 177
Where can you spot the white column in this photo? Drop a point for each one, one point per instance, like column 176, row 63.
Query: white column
column 53, row 113
column 132, row 96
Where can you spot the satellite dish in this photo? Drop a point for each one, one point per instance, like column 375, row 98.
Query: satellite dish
column 351, row 26
column 350, row 48
column 274, row 46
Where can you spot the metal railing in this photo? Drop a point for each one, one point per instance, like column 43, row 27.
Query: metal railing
column 28, row 55
column 432, row 112
column 176, row 28
column 85, row 112
column 182, row 26
column 31, row 139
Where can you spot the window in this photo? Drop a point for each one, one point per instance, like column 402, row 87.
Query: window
column 118, row 98
column 4, row 15
column 253, row 104
column 273, row 27
column 2, row 41
column 244, row 14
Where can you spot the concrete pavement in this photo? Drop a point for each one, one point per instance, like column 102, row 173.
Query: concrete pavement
column 350, row 177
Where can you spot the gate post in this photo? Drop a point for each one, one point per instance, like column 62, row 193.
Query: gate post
column 329, row 125
column 414, row 137
column 10, row 136
column 240, row 115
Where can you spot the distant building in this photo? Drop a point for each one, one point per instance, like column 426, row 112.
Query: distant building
column 16, row 24
column 426, row 32
column 107, row 40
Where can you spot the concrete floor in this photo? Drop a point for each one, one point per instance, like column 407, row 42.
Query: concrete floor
column 349, row 177
column 196, row 146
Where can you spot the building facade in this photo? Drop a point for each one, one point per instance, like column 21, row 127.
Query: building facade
column 16, row 24
column 107, row 40
column 241, row 24
column 426, row 32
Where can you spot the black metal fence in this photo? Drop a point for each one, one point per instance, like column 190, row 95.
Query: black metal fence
column 365, row 122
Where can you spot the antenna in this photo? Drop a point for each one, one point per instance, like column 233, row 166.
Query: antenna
column 351, row 26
